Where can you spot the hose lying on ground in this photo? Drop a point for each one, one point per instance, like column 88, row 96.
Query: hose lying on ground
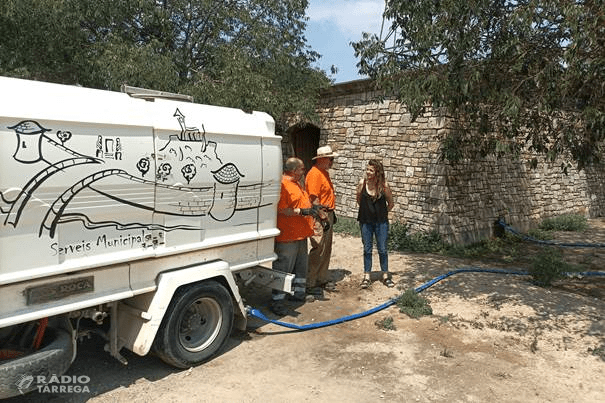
column 258, row 314
column 539, row 241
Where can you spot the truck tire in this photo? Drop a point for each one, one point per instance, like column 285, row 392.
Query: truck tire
column 196, row 325
column 18, row 375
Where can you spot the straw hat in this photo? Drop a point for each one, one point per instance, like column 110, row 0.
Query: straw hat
column 325, row 152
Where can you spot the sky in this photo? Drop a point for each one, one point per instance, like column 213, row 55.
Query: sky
column 333, row 24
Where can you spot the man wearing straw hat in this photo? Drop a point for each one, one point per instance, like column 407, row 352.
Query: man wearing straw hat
column 321, row 191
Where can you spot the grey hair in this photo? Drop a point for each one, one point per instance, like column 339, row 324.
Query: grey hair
column 292, row 164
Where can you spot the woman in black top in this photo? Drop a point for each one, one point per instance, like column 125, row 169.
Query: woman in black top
column 375, row 200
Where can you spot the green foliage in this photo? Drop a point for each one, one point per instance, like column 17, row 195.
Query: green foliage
column 398, row 236
column 511, row 74
column 541, row 234
column 248, row 54
column 507, row 247
column 444, row 319
column 598, row 351
column 402, row 240
column 41, row 40
column 566, row 222
column 548, row 265
column 347, row 226
column 412, row 304
column 385, row 323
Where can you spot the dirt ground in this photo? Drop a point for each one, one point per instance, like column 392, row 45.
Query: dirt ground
column 491, row 337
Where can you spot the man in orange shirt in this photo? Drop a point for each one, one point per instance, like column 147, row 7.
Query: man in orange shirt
column 321, row 190
column 294, row 220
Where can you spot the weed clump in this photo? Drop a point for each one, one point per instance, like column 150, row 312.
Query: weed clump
column 413, row 304
column 386, row 323
column 548, row 266
column 565, row 222
column 401, row 239
column 598, row 351
column 541, row 234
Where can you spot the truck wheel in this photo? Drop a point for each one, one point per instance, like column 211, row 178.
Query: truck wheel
column 18, row 375
column 196, row 325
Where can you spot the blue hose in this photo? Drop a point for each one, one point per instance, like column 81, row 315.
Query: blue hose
column 258, row 314
column 539, row 241
column 255, row 312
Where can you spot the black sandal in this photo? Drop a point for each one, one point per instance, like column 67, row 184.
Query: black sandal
column 365, row 283
column 388, row 282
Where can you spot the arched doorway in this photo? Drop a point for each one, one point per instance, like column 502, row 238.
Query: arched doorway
column 304, row 140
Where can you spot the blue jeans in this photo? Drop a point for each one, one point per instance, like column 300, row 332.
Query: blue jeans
column 381, row 230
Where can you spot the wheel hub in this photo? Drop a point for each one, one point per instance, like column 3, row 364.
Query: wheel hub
column 200, row 324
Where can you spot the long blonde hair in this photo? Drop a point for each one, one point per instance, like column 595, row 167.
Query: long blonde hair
column 380, row 178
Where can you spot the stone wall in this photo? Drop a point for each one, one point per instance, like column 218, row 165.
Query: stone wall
column 461, row 202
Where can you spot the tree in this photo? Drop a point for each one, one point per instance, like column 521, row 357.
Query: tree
column 512, row 74
column 249, row 54
column 33, row 46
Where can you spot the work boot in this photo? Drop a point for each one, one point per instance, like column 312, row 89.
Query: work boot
column 278, row 308
column 315, row 291
column 298, row 297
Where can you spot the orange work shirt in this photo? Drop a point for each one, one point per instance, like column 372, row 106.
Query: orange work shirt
column 293, row 228
column 318, row 184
